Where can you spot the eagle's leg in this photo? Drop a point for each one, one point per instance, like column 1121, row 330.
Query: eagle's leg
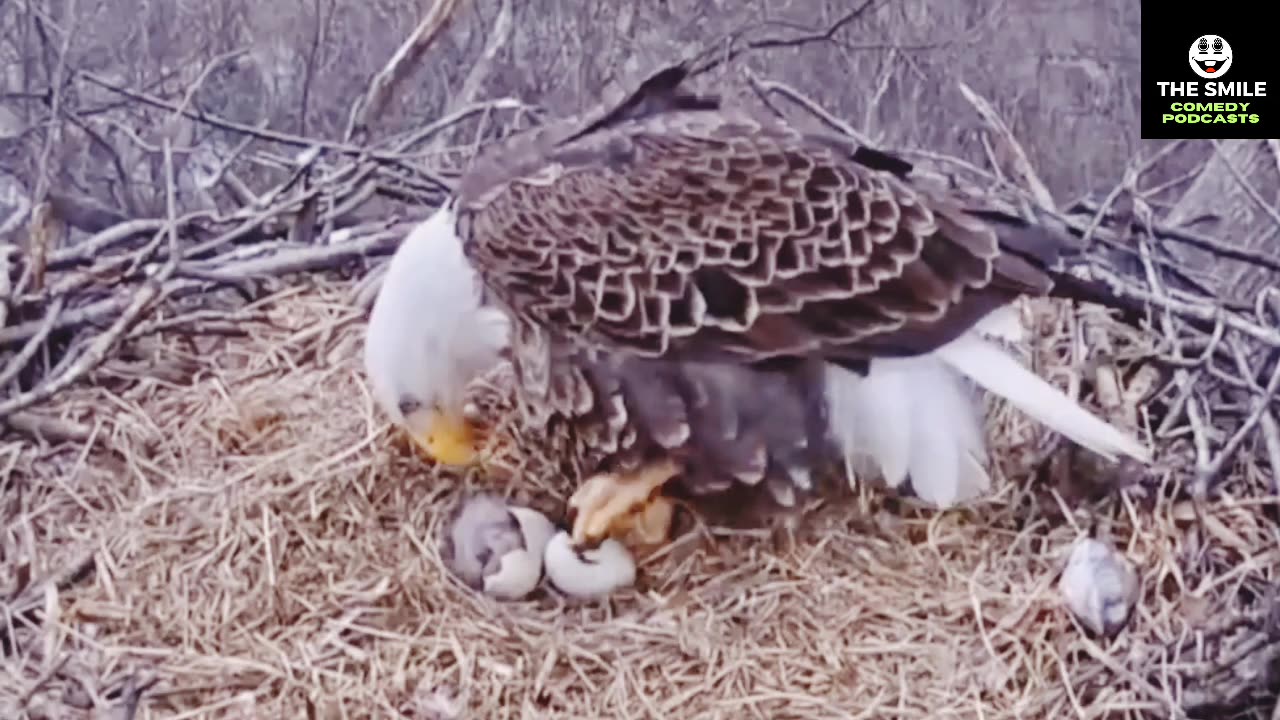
column 628, row 507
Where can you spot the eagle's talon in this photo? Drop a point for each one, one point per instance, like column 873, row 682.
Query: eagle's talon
column 585, row 545
column 626, row 507
column 650, row 526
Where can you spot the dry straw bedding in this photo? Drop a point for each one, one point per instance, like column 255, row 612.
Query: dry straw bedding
column 244, row 539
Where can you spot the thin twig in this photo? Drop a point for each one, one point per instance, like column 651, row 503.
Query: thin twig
column 399, row 66
column 19, row 361
column 1244, row 183
column 728, row 48
column 765, row 87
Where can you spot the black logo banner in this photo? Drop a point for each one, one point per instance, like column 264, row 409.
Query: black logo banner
column 1208, row 74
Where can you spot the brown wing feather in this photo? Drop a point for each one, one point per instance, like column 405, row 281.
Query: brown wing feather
column 727, row 257
column 712, row 235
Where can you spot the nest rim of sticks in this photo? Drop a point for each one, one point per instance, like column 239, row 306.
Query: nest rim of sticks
column 222, row 485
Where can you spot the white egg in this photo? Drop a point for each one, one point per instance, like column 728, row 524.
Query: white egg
column 593, row 574
column 1099, row 585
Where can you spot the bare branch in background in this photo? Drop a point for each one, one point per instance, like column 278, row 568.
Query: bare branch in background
column 1010, row 156
column 221, row 123
column 764, row 88
column 498, row 38
column 398, row 67
column 55, row 105
column 731, row 46
column 318, row 36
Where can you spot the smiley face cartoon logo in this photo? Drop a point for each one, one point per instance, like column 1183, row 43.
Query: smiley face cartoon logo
column 1210, row 56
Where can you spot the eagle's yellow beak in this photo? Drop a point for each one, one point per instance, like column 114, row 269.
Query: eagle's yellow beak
column 449, row 440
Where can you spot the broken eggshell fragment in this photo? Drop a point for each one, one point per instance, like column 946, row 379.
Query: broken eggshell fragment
column 520, row 570
column 591, row 573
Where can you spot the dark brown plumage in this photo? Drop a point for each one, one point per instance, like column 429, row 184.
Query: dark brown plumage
column 741, row 238
column 680, row 274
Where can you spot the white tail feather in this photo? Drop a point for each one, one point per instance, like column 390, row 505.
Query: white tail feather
column 918, row 418
column 911, row 418
column 999, row 373
column 1003, row 323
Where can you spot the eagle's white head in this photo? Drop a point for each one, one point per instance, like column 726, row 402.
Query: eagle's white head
column 429, row 336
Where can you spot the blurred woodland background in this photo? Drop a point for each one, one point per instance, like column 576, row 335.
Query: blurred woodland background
column 1063, row 75
column 77, row 130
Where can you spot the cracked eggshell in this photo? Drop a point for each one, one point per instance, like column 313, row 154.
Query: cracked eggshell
column 1100, row 586
column 537, row 529
column 520, row 570
column 591, row 574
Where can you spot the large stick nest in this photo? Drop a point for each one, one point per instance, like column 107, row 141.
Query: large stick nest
column 204, row 515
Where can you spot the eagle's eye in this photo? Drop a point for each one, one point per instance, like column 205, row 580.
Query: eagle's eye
column 409, row 406
column 1217, row 45
column 1204, row 45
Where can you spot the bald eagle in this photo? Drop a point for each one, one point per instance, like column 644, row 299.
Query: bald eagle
column 703, row 296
